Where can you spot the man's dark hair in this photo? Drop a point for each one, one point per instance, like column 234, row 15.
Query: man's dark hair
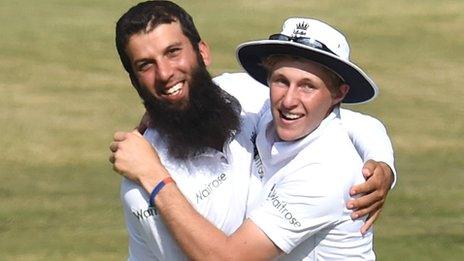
column 145, row 17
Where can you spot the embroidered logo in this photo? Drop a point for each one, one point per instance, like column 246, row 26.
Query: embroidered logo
column 300, row 29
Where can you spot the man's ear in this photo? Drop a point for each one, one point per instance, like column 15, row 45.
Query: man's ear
column 340, row 95
column 204, row 52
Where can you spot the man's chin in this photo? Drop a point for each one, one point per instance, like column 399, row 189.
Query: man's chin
column 175, row 105
column 181, row 106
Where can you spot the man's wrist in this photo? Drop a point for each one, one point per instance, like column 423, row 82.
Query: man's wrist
column 149, row 182
column 158, row 188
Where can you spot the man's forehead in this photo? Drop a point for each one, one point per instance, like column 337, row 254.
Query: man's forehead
column 157, row 39
column 161, row 30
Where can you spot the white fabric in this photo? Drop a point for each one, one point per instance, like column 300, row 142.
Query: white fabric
column 215, row 183
column 320, row 31
column 369, row 137
column 223, row 202
column 306, row 188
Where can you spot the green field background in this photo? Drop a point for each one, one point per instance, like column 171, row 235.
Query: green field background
column 63, row 93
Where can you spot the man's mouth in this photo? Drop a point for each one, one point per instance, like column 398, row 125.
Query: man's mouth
column 290, row 116
column 174, row 89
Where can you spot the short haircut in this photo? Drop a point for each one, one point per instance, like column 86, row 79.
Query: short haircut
column 145, row 17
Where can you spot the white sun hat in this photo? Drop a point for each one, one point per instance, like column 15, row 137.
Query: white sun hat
column 313, row 40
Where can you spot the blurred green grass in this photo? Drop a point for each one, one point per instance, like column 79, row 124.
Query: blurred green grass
column 63, row 93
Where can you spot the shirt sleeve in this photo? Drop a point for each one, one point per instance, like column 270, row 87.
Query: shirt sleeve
column 251, row 94
column 299, row 205
column 369, row 137
column 138, row 247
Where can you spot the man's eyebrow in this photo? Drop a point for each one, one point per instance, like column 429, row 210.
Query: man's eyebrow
column 142, row 60
column 173, row 45
column 278, row 75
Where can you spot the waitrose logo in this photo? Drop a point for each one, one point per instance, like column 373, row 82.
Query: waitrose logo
column 281, row 207
column 211, row 187
column 145, row 213
column 203, row 193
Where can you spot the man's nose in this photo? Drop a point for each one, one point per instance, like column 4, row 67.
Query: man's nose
column 291, row 98
column 164, row 71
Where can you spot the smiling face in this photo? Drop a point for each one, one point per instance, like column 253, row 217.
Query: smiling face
column 163, row 61
column 300, row 97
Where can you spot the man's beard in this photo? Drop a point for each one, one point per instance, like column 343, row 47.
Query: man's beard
column 209, row 119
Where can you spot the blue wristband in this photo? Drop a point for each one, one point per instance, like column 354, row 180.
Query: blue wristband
column 157, row 189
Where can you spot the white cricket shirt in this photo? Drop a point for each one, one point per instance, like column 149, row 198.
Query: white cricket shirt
column 215, row 182
column 306, row 188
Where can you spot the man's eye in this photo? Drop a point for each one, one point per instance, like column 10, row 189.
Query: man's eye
column 307, row 87
column 143, row 66
column 174, row 51
column 279, row 82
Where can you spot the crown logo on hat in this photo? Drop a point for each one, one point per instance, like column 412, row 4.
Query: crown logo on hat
column 301, row 28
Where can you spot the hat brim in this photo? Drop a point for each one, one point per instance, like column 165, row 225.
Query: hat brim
column 251, row 54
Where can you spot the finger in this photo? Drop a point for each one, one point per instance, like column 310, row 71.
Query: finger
column 351, row 204
column 369, row 168
column 361, row 212
column 114, row 146
column 370, row 221
column 116, row 169
column 137, row 133
column 365, row 200
column 367, row 172
column 363, row 188
column 117, row 166
column 112, row 158
column 119, row 136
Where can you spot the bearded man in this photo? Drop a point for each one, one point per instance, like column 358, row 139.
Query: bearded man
column 204, row 132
